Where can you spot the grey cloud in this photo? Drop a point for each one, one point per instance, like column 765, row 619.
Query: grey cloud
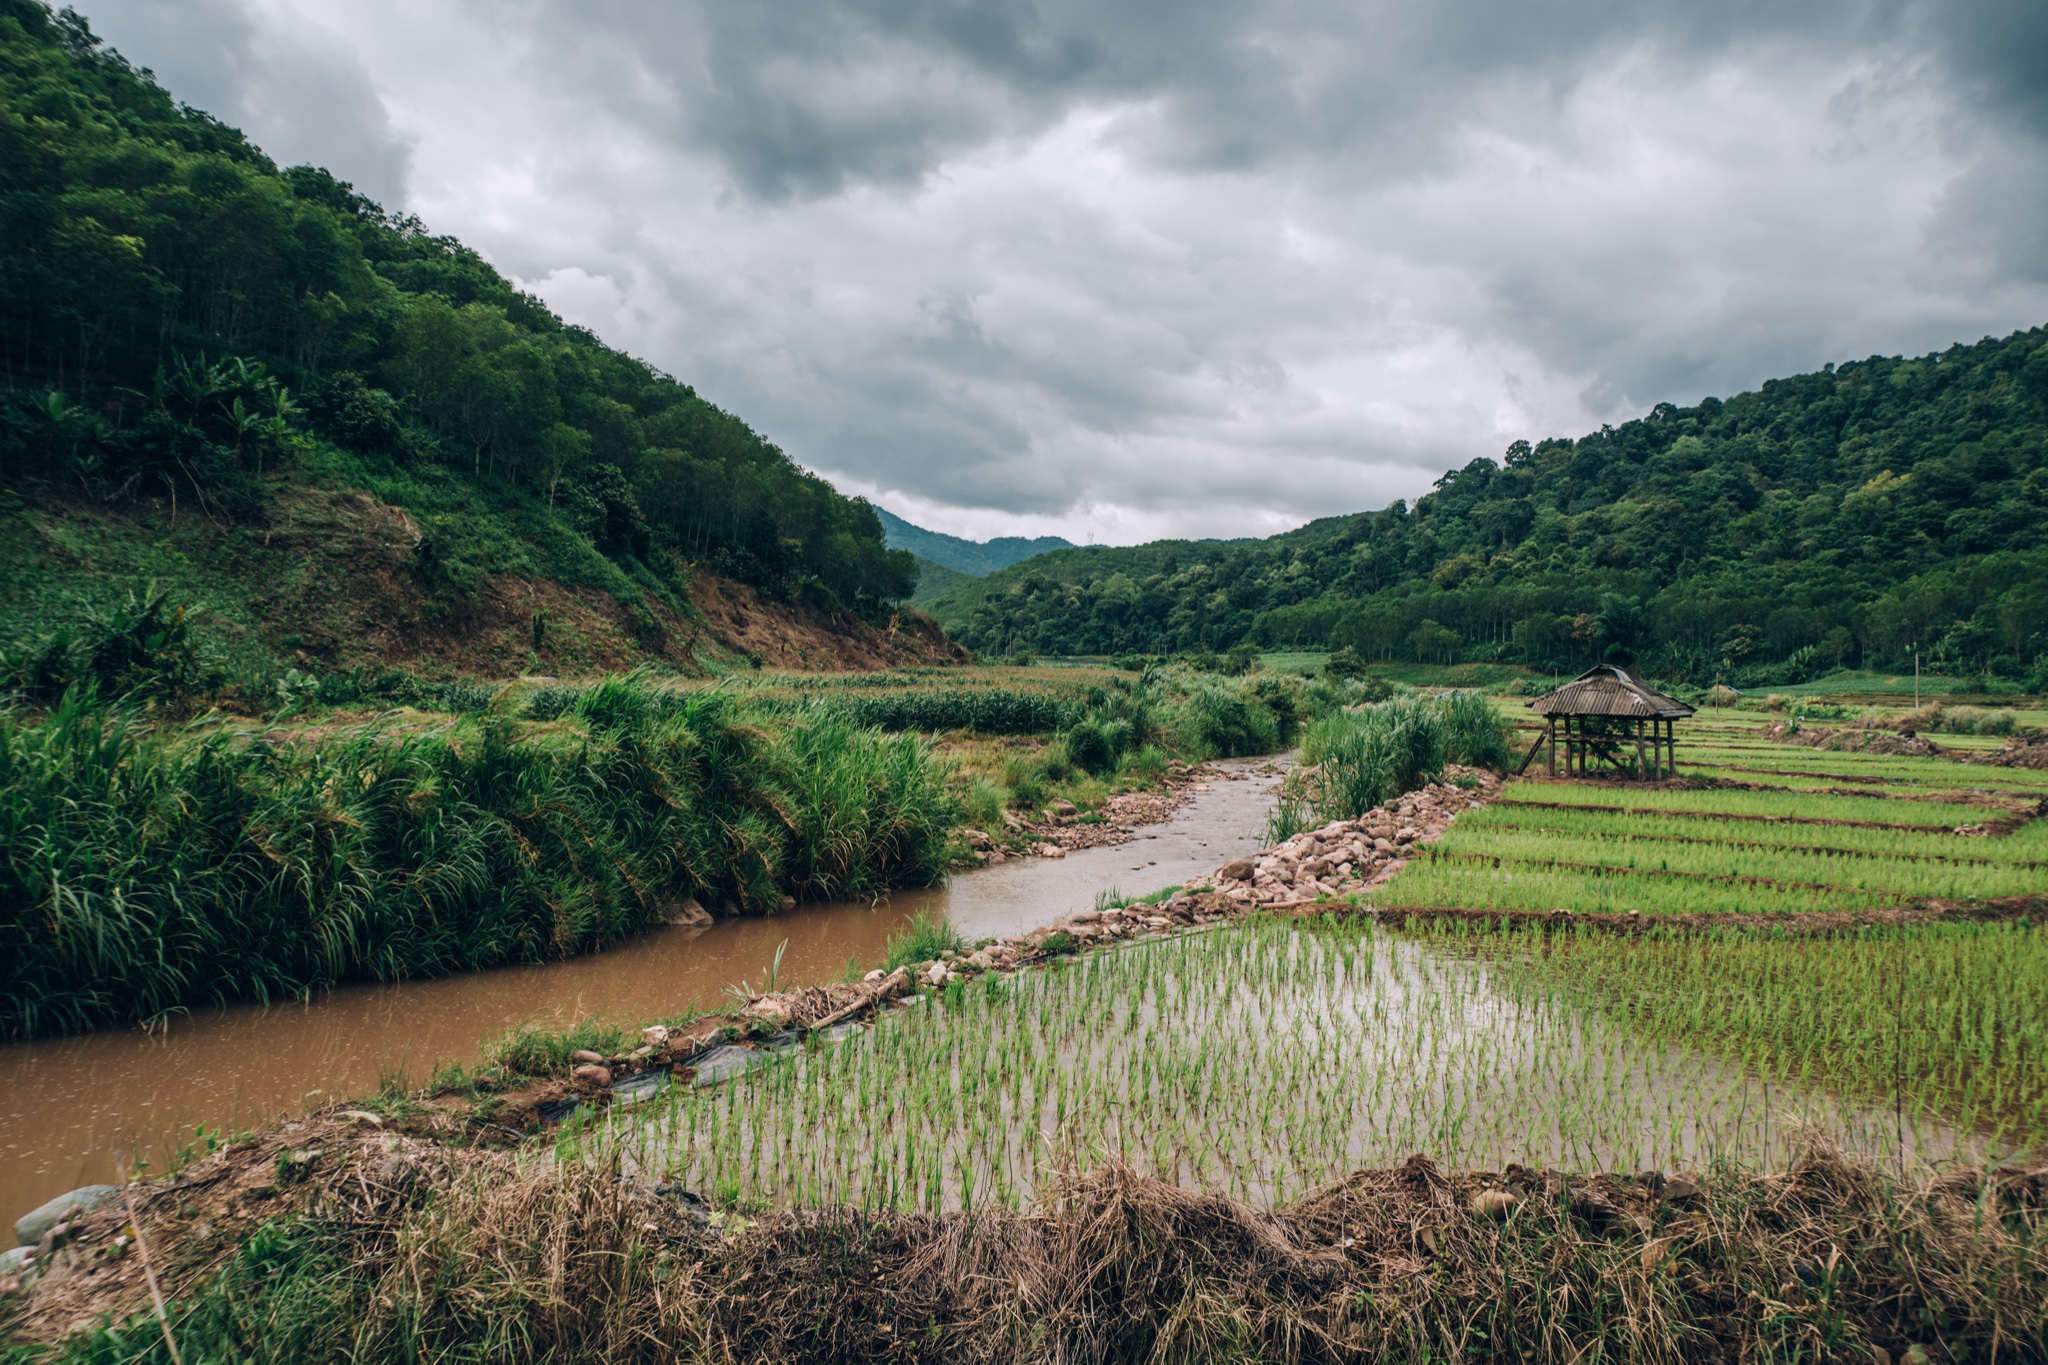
column 1189, row 266
column 805, row 98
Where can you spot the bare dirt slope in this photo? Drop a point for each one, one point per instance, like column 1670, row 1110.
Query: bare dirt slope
column 332, row 578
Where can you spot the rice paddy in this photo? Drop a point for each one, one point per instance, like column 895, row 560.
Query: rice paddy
column 1265, row 1059
column 1813, row 830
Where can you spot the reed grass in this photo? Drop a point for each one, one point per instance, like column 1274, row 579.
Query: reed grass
column 145, row 870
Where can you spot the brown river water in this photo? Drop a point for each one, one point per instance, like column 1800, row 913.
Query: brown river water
column 70, row 1108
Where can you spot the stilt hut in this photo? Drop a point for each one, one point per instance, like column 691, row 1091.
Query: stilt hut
column 1598, row 714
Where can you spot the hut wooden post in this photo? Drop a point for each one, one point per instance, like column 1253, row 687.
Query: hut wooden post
column 1551, row 730
column 1639, row 751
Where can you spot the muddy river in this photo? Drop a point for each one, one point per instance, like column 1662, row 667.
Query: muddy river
column 70, row 1107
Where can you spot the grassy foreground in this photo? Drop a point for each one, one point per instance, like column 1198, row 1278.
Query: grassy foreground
column 407, row 1253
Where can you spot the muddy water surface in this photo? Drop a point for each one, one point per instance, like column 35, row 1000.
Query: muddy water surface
column 69, row 1107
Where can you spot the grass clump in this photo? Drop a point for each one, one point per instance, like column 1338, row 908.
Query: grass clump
column 927, row 936
column 531, row 1050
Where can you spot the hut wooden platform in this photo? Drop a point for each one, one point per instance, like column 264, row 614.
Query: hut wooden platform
column 1598, row 714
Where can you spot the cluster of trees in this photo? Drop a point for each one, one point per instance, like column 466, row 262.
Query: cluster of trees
column 1846, row 518
column 175, row 310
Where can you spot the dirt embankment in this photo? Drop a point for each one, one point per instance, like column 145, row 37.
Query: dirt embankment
column 334, row 578
column 576, row 1262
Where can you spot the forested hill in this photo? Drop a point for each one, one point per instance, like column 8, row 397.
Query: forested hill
column 1837, row 518
column 185, row 324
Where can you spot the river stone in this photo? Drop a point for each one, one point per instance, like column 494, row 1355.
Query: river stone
column 30, row 1227
column 14, row 1260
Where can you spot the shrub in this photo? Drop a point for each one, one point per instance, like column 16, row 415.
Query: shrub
column 1227, row 721
column 462, row 696
column 143, row 872
column 985, row 803
column 987, row 711
column 1974, row 720
column 1087, row 744
column 870, row 811
column 552, row 703
column 1148, row 764
column 1025, row 781
column 1474, row 732
column 1343, row 663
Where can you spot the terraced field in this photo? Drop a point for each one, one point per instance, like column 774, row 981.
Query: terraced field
column 1754, row 825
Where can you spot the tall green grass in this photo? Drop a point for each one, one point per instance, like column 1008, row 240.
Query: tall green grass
column 1365, row 756
column 144, row 871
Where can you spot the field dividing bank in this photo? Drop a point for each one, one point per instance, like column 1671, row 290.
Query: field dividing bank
column 1817, row 850
column 1844, row 820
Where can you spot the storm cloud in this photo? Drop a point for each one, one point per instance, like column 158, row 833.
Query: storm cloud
column 1123, row 268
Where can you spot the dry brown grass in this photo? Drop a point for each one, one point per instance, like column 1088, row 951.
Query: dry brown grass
column 496, row 1257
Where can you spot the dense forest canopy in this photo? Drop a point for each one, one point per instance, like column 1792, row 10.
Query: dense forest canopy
column 177, row 313
column 1848, row 517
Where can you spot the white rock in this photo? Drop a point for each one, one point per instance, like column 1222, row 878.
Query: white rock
column 937, row 974
column 654, row 1035
column 876, row 975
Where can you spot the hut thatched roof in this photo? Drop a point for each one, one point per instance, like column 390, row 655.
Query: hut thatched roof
column 1609, row 690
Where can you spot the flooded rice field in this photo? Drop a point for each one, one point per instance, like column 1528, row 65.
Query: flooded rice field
column 69, row 1107
column 1260, row 1060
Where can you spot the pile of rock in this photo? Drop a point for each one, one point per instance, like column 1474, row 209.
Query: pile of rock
column 1353, row 855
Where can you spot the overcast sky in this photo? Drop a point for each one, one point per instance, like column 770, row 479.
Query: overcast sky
column 1127, row 268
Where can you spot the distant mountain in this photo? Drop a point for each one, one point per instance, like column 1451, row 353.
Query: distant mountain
column 974, row 557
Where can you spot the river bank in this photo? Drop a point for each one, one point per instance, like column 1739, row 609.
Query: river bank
column 73, row 1105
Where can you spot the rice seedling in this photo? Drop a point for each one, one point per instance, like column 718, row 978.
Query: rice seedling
column 1948, row 1019
column 1260, row 1061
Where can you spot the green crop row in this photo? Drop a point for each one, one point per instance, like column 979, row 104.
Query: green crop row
column 1782, row 864
column 1941, row 1019
column 1537, row 890
column 2028, row 844
column 1777, row 803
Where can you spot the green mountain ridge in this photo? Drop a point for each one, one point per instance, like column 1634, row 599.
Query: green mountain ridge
column 1847, row 517
column 971, row 557
column 204, row 355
